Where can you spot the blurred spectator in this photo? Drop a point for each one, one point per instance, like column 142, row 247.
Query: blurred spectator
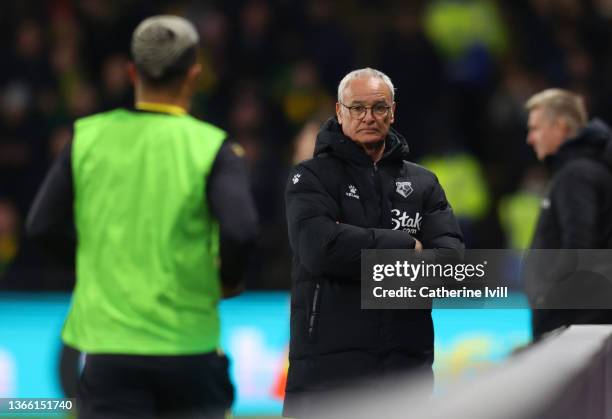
column 401, row 47
column 535, row 35
column 9, row 234
column 20, row 144
column 304, row 95
column 304, row 142
column 115, row 82
column 213, row 27
column 471, row 36
column 504, row 125
column 27, row 61
column 518, row 212
column 65, row 64
column 82, row 100
column 456, row 27
column 253, row 48
column 252, row 125
column 327, row 42
column 462, row 177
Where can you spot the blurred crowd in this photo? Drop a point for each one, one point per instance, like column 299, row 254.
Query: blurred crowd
column 462, row 68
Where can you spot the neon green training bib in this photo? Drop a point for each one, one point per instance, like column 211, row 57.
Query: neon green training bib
column 147, row 254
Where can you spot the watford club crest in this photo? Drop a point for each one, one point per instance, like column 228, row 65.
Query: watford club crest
column 403, row 188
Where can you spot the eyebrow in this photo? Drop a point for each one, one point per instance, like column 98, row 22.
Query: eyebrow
column 360, row 102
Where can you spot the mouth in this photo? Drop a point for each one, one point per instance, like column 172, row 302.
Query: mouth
column 369, row 131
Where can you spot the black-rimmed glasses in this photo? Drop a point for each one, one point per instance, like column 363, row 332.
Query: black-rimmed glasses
column 379, row 110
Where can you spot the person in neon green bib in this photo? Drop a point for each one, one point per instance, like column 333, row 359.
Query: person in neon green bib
column 164, row 223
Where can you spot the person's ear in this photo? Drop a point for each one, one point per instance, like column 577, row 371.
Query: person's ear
column 338, row 113
column 564, row 127
column 194, row 74
column 392, row 116
column 195, row 70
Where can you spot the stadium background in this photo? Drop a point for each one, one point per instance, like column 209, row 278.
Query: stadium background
column 462, row 68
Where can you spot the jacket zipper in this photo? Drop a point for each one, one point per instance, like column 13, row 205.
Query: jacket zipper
column 314, row 312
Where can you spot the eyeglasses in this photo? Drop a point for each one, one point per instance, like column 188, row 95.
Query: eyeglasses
column 379, row 110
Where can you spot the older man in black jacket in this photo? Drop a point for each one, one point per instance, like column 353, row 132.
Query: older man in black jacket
column 577, row 211
column 358, row 192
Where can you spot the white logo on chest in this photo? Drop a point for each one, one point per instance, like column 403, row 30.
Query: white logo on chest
column 352, row 192
column 401, row 220
column 403, row 188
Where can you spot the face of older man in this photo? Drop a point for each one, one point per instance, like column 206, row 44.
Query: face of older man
column 366, row 111
column 546, row 134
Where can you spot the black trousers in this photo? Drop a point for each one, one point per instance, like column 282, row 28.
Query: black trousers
column 139, row 387
column 372, row 375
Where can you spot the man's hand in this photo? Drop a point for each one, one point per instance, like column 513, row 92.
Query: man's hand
column 418, row 246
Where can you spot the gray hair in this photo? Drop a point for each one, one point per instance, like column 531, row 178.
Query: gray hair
column 159, row 42
column 559, row 103
column 363, row 73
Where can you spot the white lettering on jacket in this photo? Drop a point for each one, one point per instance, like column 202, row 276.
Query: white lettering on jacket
column 401, row 220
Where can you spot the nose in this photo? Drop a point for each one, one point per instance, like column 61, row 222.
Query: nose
column 369, row 115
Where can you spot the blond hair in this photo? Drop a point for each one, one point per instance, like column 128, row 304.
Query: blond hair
column 560, row 103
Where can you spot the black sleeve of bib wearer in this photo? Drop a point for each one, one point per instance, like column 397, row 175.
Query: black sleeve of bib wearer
column 50, row 221
column 231, row 202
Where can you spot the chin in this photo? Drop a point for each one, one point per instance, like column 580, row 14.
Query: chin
column 369, row 139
